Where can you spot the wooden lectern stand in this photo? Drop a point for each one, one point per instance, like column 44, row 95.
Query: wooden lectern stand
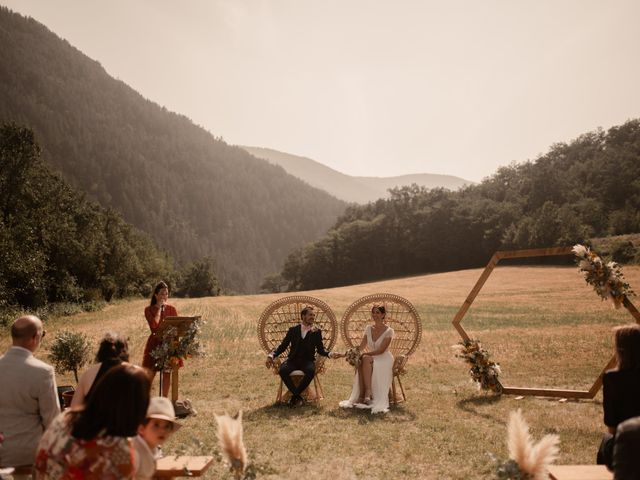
column 176, row 327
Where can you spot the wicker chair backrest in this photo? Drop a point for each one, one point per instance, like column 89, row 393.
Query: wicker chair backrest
column 284, row 313
column 401, row 315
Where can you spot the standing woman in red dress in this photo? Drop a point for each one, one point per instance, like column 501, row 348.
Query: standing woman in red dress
column 155, row 314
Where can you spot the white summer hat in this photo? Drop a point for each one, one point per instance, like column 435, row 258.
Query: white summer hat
column 161, row 407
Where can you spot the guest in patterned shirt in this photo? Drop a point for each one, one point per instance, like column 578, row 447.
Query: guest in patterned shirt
column 93, row 443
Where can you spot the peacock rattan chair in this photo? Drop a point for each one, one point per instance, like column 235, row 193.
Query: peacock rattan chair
column 273, row 325
column 401, row 315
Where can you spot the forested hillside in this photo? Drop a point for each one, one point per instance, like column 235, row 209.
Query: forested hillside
column 56, row 246
column 588, row 187
column 193, row 193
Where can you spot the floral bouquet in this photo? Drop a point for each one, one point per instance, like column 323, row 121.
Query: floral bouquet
column 353, row 357
column 606, row 278
column 483, row 371
column 172, row 350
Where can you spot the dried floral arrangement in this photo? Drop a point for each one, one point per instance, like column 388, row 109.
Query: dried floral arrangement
column 173, row 350
column 483, row 371
column 605, row 278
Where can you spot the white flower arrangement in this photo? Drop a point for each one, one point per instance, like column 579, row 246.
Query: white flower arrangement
column 353, row 356
column 606, row 278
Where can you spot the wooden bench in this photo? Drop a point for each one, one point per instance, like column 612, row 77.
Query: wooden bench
column 579, row 472
column 182, row 466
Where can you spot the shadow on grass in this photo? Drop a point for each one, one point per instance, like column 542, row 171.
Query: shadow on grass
column 396, row 414
column 282, row 410
column 468, row 404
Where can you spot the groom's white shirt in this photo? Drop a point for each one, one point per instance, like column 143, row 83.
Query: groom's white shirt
column 304, row 330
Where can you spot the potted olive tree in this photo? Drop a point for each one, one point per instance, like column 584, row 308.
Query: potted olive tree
column 69, row 352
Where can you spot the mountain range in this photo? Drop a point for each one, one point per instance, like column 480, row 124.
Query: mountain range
column 194, row 194
column 351, row 188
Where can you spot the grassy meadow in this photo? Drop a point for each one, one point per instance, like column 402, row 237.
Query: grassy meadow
column 544, row 326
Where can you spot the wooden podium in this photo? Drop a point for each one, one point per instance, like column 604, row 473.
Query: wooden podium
column 174, row 328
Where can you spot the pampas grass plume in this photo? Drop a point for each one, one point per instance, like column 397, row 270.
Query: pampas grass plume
column 519, row 440
column 544, row 454
column 231, row 444
column 533, row 460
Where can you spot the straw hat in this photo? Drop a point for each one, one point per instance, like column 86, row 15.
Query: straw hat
column 162, row 408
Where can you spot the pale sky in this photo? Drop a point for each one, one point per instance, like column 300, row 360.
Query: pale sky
column 372, row 87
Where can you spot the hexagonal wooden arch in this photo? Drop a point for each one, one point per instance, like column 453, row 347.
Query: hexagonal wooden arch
column 539, row 252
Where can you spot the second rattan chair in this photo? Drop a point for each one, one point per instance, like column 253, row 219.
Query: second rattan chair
column 402, row 316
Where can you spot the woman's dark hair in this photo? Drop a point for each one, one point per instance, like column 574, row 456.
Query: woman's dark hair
column 156, row 290
column 628, row 347
column 380, row 308
column 112, row 348
column 117, row 406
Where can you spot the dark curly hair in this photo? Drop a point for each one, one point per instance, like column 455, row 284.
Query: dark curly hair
column 112, row 347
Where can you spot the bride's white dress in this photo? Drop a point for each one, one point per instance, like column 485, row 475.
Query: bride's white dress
column 381, row 377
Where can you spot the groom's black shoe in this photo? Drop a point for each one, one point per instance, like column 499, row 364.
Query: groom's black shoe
column 296, row 401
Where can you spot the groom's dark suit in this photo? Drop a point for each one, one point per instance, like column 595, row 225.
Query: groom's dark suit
column 302, row 356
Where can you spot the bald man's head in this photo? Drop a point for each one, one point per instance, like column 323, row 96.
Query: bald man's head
column 26, row 332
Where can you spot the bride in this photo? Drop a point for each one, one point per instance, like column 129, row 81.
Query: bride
column 375, row 372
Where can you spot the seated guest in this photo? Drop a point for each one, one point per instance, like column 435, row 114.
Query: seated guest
column 621, row 388
column 113, row 350
column 156, row 429
column 626, row 451
column 94, row 442
column 28, row 394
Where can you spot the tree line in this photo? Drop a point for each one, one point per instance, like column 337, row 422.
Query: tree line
column 587, row 188
column 58, row 246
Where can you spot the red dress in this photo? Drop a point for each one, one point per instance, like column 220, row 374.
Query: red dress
column 154, row 340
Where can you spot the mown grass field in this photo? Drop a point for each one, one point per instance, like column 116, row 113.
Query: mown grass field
column 544, row 326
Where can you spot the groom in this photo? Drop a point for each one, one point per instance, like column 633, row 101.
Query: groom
column 305, row 339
